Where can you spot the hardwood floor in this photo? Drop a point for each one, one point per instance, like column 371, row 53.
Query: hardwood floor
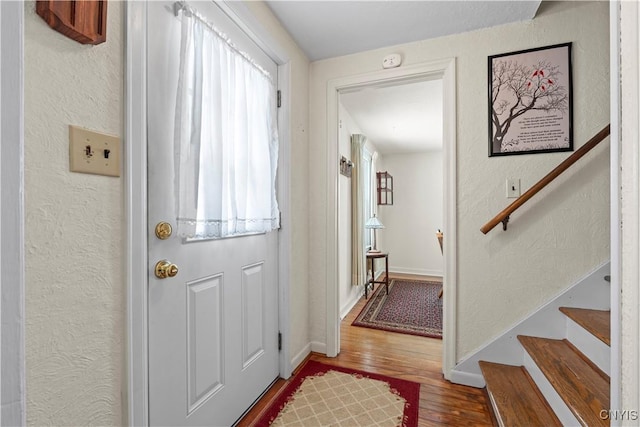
column 403, row 356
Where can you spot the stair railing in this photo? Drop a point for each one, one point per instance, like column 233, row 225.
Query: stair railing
column 503, row 217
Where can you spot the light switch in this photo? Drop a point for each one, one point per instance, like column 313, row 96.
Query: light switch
column 513, row 188
column 93, row 152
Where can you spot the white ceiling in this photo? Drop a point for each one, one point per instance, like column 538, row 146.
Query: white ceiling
column 399, row 119
column 325, row 29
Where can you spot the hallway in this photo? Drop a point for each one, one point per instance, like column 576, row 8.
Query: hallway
column 403, row 356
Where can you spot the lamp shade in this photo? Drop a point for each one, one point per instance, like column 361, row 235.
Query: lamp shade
column 373, row 222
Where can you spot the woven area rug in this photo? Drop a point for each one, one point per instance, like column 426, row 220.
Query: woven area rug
column 324, row 395
column 412, row 307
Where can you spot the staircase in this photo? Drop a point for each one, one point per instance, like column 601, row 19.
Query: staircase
column 561, row 382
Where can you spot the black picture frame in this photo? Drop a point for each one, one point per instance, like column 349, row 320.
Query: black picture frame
column 531, row 101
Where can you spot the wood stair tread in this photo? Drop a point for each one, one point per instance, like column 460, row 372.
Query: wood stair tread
column 582, row 386
column 516, row 399
column 597, row 322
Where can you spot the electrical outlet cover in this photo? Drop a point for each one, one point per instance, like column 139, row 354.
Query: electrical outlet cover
column 93, row 152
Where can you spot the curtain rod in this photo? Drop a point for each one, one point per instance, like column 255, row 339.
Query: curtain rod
column 177, row 7
column 183, row 6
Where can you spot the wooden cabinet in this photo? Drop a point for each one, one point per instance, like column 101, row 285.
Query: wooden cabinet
column 384, row 182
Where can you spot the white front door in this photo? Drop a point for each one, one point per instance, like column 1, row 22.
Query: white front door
column 213, row 328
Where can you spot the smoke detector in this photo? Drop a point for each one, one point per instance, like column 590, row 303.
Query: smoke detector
column 391, row 61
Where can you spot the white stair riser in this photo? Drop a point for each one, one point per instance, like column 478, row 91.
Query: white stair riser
column 597, row 351
column 561, row 410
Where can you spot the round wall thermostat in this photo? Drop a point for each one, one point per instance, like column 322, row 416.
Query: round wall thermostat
column 391, row 61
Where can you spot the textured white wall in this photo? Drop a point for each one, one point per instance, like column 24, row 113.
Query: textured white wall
column 556, row 238
column 74, row 281
column 416, row 214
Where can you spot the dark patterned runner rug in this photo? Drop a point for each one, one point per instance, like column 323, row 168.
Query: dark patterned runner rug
column 412, row 307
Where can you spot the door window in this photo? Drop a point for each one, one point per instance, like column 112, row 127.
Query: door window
column 226, row 141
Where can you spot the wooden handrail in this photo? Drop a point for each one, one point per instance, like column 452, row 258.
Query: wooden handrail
column 503, row 217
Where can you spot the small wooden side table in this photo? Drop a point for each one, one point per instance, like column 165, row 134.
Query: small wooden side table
column 371, row 282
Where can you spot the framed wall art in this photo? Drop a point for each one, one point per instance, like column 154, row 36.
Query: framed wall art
column 530, row 101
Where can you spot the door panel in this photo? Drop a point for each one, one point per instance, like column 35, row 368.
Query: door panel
column 253, row 306
column 204, row 346
column 213, row 327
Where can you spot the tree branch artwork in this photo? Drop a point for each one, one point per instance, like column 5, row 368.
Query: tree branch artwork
column 533, row 95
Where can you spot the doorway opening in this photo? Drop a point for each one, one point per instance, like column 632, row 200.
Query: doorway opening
column 443, row 71
column 401, row 126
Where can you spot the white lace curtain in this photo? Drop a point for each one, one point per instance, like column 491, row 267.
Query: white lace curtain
column 226, row 143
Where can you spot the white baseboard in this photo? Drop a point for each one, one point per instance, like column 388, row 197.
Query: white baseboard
column 417, row 271
column 299, row 358
column 318, row 347
column 467, row 378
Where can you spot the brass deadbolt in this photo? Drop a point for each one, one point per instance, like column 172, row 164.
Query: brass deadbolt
column 166, row 269
column 163, row 230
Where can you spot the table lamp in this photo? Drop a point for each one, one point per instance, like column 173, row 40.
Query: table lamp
column 374, row 223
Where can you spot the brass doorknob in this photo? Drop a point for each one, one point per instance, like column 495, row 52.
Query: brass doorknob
column 165, row 269
column 163, row 230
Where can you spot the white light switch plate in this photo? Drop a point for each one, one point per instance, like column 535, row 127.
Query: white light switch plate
column 93, row 152
column 513, row 188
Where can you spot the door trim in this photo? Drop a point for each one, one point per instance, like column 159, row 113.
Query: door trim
column 12, row 272
column 615, row 222
column 135, row 176
column 445, row 70
column 243, row 17
column 135, row 188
